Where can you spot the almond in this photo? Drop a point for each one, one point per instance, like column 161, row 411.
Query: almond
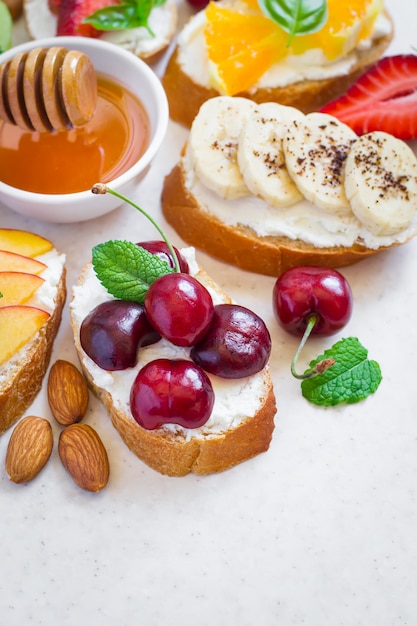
column 29, row 448
column 67, row 393
column 84, row 457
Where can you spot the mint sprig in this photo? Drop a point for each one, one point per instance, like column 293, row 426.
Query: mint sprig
column 123, row 16
column 296, row 17
column 351, row 378
column 127, row 270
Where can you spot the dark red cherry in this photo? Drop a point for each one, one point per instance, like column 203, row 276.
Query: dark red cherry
column 302, row 292
column 168, row 391
column 179, row 307
column 236, row 345
column 161, row 250
column 113, row 332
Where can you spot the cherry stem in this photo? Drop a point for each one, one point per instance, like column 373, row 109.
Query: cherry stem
column 312, row 320
column 100, row 188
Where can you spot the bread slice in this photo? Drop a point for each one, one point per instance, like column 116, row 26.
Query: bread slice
column 185, row 96
column 42, row 23
column 238, row 244
column 22, row 375
column 15, row 7
column 224, row 441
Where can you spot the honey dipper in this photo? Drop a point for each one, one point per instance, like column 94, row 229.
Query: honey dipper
column 48, row 89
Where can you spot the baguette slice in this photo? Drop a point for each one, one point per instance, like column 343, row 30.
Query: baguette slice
column 22, row 375
column 185, row 96
column 41, row 23
column 177, row 451
column 15, row 7
column 240, row 245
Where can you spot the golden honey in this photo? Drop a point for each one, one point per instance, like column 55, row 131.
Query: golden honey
column 73, row 160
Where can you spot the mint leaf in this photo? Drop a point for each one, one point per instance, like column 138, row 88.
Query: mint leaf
column 128, row 14
column 127, row 270
column 6, row 25
column 352, row 377
column 296, row 17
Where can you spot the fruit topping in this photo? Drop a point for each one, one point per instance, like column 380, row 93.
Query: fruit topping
column 113, row 332
column 18, row 324
column 180, row 308
column 237, row 343
column 23, row 242
column 245, row 38
column 161, row 250
column 71, row 15
column 171, row 391
column 384, row 98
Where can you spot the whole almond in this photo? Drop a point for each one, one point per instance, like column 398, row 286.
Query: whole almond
column 29, row 448
column 67, row 393
column 84, row 456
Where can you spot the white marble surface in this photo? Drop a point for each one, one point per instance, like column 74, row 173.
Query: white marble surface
column 321, row 530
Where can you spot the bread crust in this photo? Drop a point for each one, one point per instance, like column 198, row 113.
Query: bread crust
column 240, row 245
column 174, row 455
column 185, row 97
column 15, row 7
column 20, row 389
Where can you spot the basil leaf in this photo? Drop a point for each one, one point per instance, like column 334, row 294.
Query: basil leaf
column 128, row 14
column 127, row 270
column 352, row 377
column 296, row 17
column 6, row 25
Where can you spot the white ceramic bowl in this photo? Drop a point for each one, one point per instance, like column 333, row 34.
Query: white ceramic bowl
column 134, row 74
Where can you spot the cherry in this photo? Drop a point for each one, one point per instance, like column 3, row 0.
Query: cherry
column 113, row 332
column 198, row 4
column 237, row 343
column 160, row 248
column 179, row 307
column 171, row 391
column 303, row 294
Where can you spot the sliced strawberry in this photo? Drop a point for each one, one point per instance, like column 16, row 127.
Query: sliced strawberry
column 54, row 6
column 384, row 98
column 72, row 12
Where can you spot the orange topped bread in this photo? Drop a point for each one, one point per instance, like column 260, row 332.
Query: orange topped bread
column 32, row 288
column 234, row 48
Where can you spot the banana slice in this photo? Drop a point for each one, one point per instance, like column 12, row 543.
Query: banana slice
column 315, row 151
column 261, row 157
column 381, row 183
column 213, row 144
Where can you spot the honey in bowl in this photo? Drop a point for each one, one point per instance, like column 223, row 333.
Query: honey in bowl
column 73, row 160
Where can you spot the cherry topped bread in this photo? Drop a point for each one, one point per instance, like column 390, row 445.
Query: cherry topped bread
column 179, row 402
column 32, row 284
column 238, row 47
column 265, row 187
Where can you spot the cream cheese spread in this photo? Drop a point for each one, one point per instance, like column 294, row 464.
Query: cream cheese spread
column 302, row 221
column 311, row 65
column 235, row 400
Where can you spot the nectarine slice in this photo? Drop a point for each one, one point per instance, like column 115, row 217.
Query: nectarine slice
column 23, row 242
column 18, row 324
column 13, row 262
column 18, row 287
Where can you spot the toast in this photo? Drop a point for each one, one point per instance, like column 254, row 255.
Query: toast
column 41, row 23
column 15, row 7
column 22, row 374
column 186, row 93
column 230, row 436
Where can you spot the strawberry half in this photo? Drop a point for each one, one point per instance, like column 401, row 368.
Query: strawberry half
column 384, row 98
column 72, row 12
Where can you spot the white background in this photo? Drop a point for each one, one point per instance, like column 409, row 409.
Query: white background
column 319, row 531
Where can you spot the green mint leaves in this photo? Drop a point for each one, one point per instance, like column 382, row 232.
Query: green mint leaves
column 6, row 25
column 296, row 17
column 127, row 270
column 352, row 378
column 128, row 14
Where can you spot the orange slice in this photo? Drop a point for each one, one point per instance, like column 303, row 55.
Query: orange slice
column 243, row 43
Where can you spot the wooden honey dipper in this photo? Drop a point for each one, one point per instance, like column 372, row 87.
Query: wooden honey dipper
column 48, row 89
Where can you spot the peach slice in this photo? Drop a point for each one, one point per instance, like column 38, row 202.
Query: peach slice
column 18, row 287
column 23, row 242
column 13, row 262
column 18, row 324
